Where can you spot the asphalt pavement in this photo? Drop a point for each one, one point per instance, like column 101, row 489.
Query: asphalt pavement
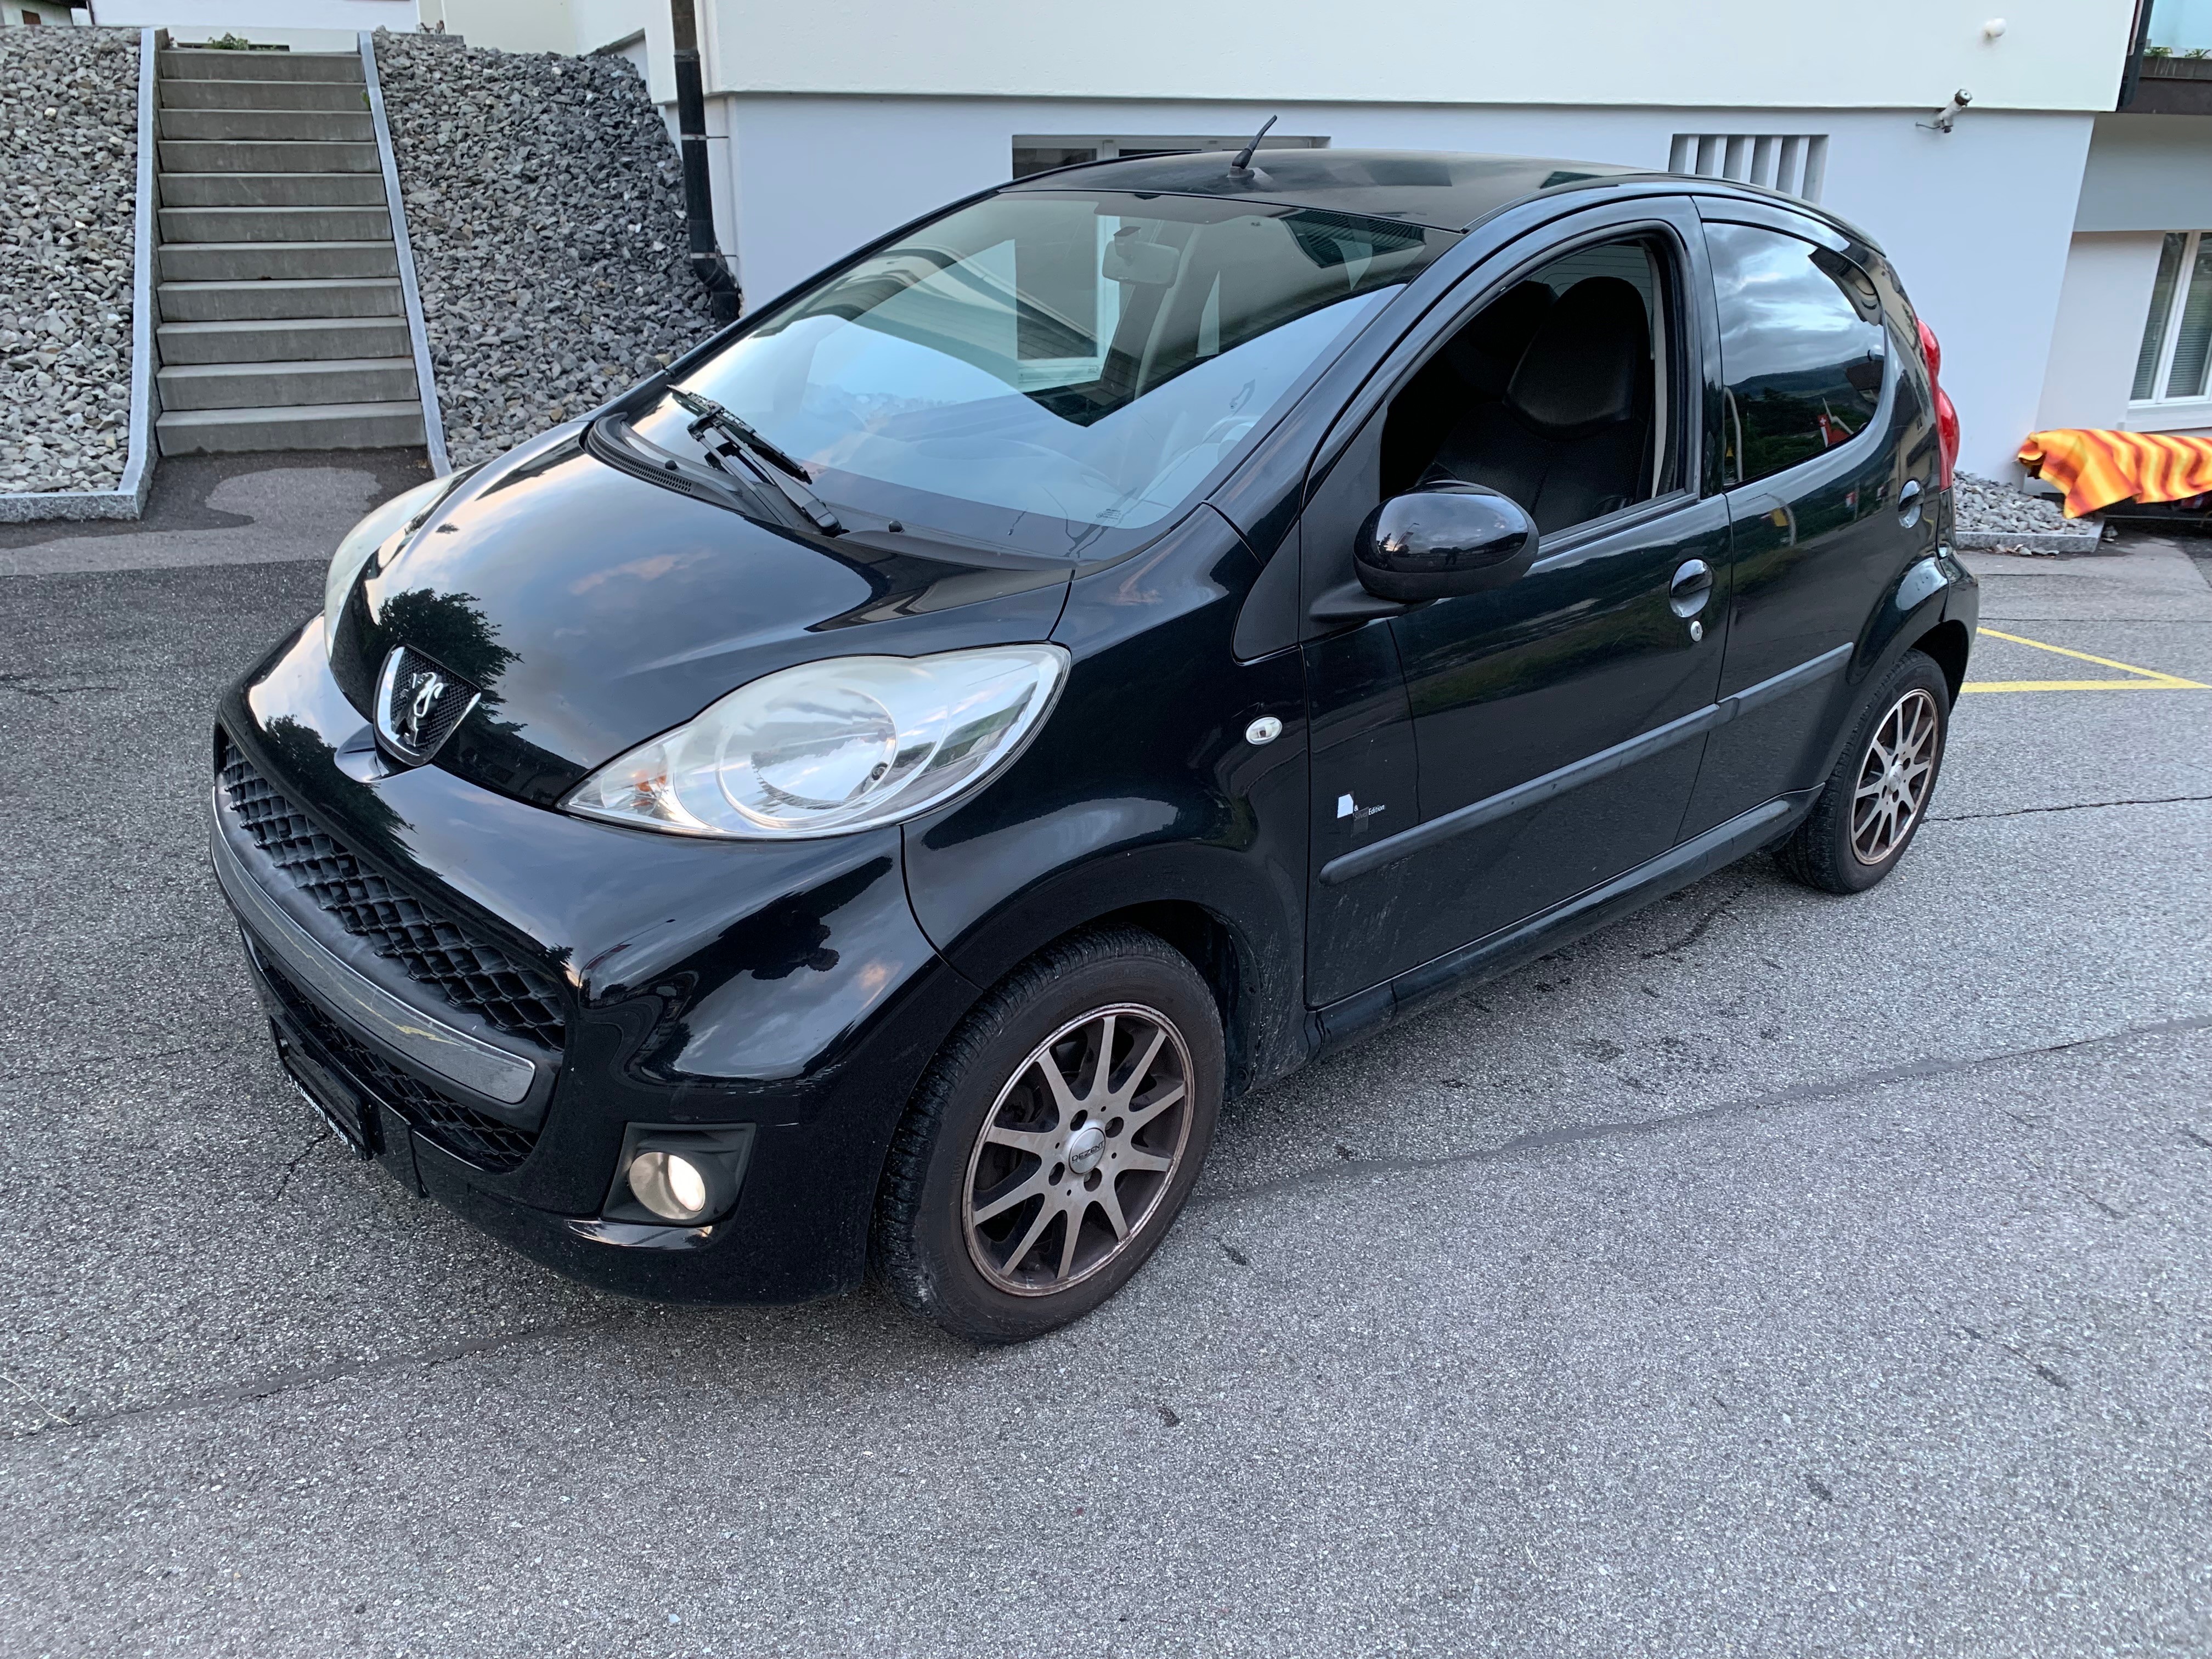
column 1771, row 1275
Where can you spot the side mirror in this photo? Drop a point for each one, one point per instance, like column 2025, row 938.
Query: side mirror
column 1447, row 540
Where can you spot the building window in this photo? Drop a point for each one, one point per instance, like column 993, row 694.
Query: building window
column 1795, row 163
column 1040, row 153
column 2176, row 343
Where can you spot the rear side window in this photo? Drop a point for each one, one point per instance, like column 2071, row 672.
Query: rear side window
column 1802, row 348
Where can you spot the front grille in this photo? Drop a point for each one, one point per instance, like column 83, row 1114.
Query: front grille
column 429, row 947
column 484, row 1141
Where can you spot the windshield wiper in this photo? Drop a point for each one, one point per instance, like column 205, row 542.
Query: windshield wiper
column 760, row 456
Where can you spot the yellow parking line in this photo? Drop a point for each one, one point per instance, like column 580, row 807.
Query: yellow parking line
column 2150, row 679
column 2081, row 685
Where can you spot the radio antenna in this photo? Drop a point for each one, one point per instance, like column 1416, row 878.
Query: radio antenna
column 1241, row 166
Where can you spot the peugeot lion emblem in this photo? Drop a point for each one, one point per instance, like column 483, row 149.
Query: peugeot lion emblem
column 418, row 705
column 418, row 709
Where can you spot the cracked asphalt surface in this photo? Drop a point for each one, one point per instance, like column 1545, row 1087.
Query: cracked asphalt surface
column 1772, row 1273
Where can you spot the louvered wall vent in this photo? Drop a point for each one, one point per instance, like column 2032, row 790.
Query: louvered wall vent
column 1795, row 163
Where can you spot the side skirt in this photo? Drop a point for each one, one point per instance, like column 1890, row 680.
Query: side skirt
column 1356, row 1018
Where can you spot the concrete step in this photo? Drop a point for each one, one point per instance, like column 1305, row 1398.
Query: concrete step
column 247, row 262
column 268, row 155
column 288, row 386
column 290, row 340
column 275, row 224
column 183, row 64
column 238, row 302
column 350, row 96
column 252, row 125
column 190, row 190
column 329, row 426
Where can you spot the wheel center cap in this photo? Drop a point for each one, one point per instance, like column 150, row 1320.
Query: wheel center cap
column 1085, row 1147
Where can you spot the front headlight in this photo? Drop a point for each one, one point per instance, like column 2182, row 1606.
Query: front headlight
column 853, row 743
column 402, row 515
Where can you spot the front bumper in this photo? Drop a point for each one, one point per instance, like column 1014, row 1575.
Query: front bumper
column 697, row 983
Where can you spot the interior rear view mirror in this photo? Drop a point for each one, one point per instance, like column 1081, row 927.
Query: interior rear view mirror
column 1129, row 260
column 1446, row 540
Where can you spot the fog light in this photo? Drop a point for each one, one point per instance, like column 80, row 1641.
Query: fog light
column 672, row 1175
column 670, row 1185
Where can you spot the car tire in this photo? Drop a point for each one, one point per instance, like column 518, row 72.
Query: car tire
column 993, row 1167
column 1877, row 799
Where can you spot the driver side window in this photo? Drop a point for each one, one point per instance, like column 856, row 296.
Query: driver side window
column 1556, row 392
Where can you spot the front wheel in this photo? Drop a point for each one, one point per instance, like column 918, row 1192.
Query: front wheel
column 1877, row 797
column 1053, row 1141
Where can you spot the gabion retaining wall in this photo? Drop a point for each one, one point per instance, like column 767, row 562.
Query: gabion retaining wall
column 69, row 157
column 545, row 209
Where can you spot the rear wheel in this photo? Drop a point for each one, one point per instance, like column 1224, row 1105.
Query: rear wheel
column 1877, row 799
column 1053, row 1141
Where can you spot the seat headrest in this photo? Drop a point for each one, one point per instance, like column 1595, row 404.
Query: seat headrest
column 1587, row 366
column 1484, row 353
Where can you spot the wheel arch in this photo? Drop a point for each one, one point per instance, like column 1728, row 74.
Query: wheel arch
column 1949, row 644
column 1262, row 1036
column 1226, row 962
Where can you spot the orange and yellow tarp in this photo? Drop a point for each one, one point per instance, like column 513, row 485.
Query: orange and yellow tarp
column 2097, row 468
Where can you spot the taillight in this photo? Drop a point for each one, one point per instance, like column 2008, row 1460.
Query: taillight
column 1947, row 413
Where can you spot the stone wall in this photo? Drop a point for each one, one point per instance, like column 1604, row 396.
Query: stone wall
column 545, row 209
column 68, row 161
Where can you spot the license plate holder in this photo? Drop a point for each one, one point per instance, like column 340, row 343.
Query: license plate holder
column 334, row 1100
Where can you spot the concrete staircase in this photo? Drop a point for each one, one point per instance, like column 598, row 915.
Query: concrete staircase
column 280, row 321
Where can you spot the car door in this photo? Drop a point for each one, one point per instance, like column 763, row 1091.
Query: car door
column 1481, row 758
column 1825, row 440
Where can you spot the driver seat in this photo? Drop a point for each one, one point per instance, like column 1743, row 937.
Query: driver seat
column 1571, row 439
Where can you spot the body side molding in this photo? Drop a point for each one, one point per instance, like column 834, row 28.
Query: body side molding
column 1364, row 1012
column 1589, row 769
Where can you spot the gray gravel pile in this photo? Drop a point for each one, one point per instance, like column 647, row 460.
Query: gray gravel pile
column 545, row 209
column 1982, row 504
column 69, row 166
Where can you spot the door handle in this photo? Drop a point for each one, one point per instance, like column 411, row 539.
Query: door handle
column 1908, row 503
column 1692, row 586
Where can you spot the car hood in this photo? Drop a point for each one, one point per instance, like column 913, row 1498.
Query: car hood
column 594, row 609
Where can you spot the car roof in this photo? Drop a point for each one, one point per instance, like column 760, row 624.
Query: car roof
column 1436, row 188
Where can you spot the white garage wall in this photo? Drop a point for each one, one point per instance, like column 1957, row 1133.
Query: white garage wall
column 815, row 177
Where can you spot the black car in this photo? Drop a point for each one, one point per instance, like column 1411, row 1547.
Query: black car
column 860, row 802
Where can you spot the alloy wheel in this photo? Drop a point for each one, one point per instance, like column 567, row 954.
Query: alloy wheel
column 1078, row 1150
column 1895, row 776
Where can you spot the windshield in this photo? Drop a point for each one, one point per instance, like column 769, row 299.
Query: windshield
column 1089, row 357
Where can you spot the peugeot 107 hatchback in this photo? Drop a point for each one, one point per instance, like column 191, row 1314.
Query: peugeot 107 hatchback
column 860, row 802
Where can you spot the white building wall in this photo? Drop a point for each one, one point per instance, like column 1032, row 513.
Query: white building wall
column 600, row 23
column 2051, row 55
column 2148, row 173
column 296, row 23
column 815, row 177
column 2101, row 308
column 509, row 25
